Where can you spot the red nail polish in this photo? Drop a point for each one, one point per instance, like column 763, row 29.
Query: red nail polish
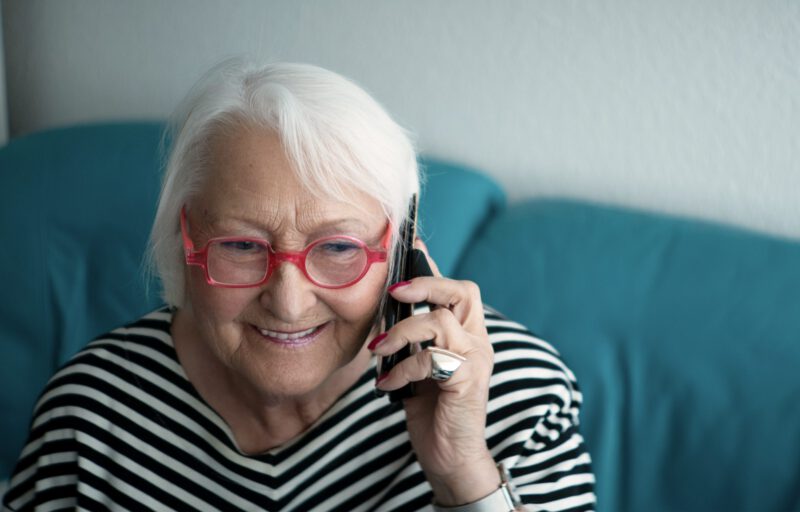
column 381, row 378
column 398, row 285
column 377, row 339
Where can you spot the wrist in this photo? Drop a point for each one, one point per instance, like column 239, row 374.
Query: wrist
column 466, row 484
column 503, row 498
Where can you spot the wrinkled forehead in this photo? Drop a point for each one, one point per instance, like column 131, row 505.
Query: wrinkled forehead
column 248, row 175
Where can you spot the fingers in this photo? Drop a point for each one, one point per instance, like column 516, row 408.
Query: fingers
column 419, row 367
column 462, row 298
column 455, row 323
column 439, row 325
column 446, row 332
column 463, row 372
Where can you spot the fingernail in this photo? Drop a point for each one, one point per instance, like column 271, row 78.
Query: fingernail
column 398, row 285
column 381, row 378
column 376, row 340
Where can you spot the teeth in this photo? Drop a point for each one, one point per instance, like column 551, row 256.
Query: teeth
column 287, row 335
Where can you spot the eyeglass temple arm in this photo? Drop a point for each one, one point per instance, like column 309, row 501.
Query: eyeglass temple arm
column 188, row 246
column 387, row 237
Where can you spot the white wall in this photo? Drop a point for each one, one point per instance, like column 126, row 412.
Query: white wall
column 685, row 106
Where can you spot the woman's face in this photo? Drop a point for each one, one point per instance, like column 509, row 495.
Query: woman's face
column 251, row 191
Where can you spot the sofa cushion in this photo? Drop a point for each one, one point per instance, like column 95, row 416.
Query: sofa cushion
column 685, row 339
column 455, row 203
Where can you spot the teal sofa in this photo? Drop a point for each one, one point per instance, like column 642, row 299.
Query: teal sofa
column 684, row 335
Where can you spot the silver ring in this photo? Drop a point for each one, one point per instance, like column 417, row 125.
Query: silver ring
column 444, row 363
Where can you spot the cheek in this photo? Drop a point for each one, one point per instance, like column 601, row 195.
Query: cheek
column 358, row 305
column 217, row 305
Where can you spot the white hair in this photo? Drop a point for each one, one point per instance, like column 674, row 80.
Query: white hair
column 335, row 135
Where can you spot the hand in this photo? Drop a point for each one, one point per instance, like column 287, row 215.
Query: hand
column 446, row 420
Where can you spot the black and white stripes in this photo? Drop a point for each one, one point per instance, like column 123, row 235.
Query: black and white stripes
column 120, row 427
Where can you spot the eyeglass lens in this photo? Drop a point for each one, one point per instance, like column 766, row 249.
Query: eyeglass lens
column 237, row 262
column 330, row 262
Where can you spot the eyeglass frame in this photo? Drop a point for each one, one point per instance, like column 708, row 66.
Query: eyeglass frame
column 275, row 258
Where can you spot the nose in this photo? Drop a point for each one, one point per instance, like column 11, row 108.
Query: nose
column 288, row 294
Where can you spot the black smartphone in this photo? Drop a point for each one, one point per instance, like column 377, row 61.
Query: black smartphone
column 409, row 263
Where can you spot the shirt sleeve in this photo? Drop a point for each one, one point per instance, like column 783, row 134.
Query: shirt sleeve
column 533, row 419
column 46, row 471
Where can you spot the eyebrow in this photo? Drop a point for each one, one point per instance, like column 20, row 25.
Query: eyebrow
column 340, row 224
column 328, row 227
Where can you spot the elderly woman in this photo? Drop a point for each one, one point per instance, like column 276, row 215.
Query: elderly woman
column 255, row 388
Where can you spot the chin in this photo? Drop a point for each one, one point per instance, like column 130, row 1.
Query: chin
column 290, row 386
column 286, row 369
column 279, row 371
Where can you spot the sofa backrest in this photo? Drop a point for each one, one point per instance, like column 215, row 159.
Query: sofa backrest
column 76, row 212
column 684, row 337
column 77, row 208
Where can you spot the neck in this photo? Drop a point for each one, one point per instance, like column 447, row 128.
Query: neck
column 258, row 421
column 262, row 422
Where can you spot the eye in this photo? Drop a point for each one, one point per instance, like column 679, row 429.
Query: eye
column 339, row 246
column 244, row 246
column 337, row 251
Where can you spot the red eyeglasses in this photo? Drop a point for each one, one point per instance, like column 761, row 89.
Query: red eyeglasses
column 241, row 262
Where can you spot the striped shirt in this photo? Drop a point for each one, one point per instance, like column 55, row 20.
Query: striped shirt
column 120, row 427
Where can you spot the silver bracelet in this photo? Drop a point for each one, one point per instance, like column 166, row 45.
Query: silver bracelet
column 503, row 499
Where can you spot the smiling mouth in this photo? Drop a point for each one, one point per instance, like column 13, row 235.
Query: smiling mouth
column 292, row 338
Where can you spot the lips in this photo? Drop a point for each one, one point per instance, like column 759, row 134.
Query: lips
column 287, row 335
column 292, row 337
